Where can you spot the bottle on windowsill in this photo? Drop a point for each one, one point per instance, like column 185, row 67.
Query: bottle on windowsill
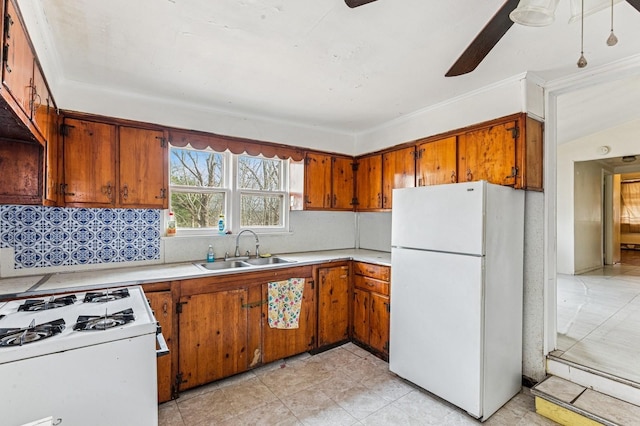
column 171, row 225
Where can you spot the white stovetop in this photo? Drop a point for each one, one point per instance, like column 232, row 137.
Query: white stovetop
column 59, row 282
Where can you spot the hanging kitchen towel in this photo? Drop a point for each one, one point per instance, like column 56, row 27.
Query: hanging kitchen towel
column 284, row 302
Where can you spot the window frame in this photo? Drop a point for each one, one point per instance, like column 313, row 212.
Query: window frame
column 233, row 194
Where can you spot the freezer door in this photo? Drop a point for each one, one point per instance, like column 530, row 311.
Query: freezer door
column 436, row 323
column 442, row 218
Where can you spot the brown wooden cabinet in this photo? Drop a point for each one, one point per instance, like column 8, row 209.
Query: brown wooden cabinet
column 143, row 168
column 328, row 182
column 333, row 305
column 490, row 154
column 17, row 75
column 89, row 163
column 162, row 304
column 371, row 307
column 21, row 177
column 369, row 183
column 106, row 165
column 437, row 162
column 213, row 336
column 398, row 171
column 283, row 343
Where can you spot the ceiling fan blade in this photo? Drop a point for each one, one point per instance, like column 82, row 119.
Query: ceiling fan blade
column 635, row 3
column 356, row 3
column 485, row 40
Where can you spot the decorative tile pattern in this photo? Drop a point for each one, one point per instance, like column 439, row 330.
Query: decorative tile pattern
column 54, row 236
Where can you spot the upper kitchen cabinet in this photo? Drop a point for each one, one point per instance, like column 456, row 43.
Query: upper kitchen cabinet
column 21, row 178
column 369, row 183
column 143, row 167
column 490, row 154
column 398, row 171
column 437, row 162
column 328, row 182
column 89, row 163
column 17, row 73
column 506, row 152
column 106, row 165
column 25, row 91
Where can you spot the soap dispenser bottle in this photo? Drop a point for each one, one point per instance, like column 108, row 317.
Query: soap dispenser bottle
column 210, row 255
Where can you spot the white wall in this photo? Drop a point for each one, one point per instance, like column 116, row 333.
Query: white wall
column 374, row 231
column 622, row 140
column 498, row 100
column 309, row 231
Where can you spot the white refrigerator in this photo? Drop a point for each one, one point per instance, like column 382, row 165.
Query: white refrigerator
column 456, row 292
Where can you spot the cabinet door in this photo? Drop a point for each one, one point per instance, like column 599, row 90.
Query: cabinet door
column 398, row 171
column 143, row 168
column 162, row 305
column 41, row 104
column 437, row 162
column 213, row 336
column 361, row 316
column 342, row 183
column 89, row 162
column 17, row 75
column 379, row 322
column 369, row 183
column 282, row 343
column 490, row 154
column 333, row 305
column 317, row 181
column 51, row 166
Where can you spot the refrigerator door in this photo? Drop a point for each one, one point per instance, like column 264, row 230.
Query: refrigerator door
column 445, row 218
column 436, row 324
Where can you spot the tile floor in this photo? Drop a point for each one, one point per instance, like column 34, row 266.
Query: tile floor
column 599, row 318
column 343, row 386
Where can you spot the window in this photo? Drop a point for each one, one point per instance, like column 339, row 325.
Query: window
column 251, row 191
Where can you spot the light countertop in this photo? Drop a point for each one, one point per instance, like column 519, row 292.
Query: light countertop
column 33, row 285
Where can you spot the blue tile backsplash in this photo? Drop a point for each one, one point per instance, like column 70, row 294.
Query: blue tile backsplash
column 55, row 236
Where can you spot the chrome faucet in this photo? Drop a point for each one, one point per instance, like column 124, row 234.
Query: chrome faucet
column 237, row 253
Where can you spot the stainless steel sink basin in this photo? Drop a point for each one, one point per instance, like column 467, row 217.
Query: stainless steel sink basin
column 267, row 260
column 225, row 264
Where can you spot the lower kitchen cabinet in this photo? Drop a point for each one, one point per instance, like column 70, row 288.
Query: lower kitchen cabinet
column 333, row 305
column 162, row 304
column 213, row 336
column 282, row 343
column 371, row 307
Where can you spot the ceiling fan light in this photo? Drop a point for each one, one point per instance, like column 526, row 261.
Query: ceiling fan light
column 534, row 13
column 590, row 7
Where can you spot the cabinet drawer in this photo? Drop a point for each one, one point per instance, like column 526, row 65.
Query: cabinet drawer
column 372, row 285
column 372, row 271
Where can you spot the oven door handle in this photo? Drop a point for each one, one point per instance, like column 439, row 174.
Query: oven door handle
column 162, row 343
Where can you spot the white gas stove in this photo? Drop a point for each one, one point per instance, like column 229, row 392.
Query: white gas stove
column 84, row 358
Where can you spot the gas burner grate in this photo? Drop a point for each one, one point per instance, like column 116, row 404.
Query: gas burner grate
column 104, row 322
column 30, row 334
column 106, row 296
column 32, row 305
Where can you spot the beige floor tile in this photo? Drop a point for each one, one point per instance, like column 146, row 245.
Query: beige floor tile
column 423, row 407
column 169, row 414
column 560, row 389
column 312, row 407
column 391, row 415
column 209, row 408
column 457, row 418
column 274, row 413
column 247, row 395
column 360, row 402
column 609, row 408
column 388, row 386
column 514, row 410
column 356, row 350
column 533, row 419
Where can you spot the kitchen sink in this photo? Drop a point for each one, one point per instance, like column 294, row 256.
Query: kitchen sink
column 225, row 264
column 267, row 260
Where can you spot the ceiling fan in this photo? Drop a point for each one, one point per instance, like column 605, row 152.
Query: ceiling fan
column 488, row 37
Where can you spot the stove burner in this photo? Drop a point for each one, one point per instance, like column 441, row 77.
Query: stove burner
column 44, row 304
column 30, row 334
column 106, row 296
column 104, row 322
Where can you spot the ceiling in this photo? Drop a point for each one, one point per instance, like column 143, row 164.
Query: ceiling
column 312, row 62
